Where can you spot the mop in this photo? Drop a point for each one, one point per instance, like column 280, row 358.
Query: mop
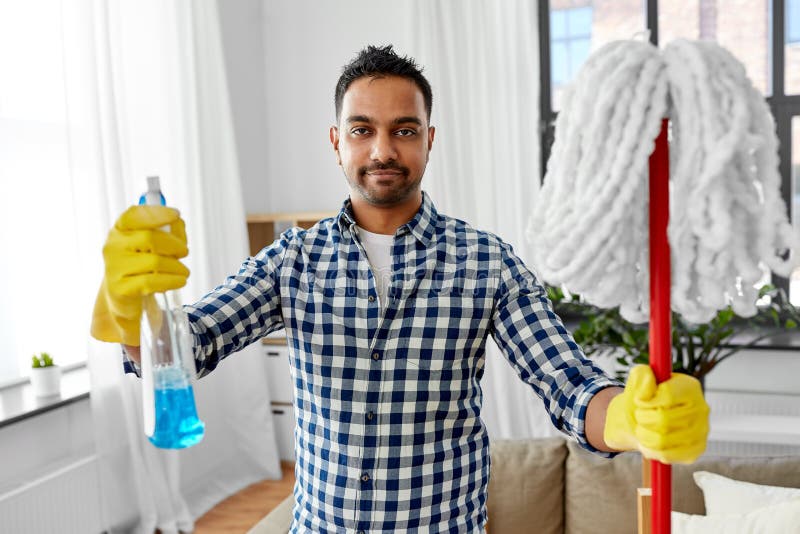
column 711, row 225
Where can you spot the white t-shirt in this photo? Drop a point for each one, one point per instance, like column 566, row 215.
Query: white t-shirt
column 379, row 254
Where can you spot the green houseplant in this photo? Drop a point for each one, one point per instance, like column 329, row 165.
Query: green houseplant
column 696, row 348
column 42, row 360
column 45, row 376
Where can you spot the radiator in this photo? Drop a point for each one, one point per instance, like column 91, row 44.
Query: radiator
column 65, row 500
column 770, row 424
column 746, row 403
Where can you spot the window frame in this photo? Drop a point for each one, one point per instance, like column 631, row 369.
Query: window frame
column 783, row 107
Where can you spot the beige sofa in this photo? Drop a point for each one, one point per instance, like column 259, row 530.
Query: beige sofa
column 549, row 486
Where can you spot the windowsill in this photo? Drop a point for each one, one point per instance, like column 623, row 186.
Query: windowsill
column 17, row 402
column 788, row 340
column 783, row 340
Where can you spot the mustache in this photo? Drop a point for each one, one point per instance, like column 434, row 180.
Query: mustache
column 383, row 167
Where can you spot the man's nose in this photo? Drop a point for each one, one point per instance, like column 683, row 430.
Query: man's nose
column 383, row 148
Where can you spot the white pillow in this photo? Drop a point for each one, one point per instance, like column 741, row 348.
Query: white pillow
column 783, row 518
column 727, row 496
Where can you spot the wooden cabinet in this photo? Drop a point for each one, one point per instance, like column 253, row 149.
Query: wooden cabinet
column 263, row 228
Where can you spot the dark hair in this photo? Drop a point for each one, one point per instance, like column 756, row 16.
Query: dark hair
column 376, row 62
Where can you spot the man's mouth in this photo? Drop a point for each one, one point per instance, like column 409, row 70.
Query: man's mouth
column 385, row 173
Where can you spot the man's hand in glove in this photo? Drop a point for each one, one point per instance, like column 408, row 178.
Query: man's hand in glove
column 141, row 257
column 667, row 422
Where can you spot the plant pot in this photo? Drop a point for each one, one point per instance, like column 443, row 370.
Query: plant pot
column 46, row 381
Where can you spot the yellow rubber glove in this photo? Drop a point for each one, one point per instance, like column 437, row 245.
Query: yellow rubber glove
column 141, row 258
column 667, row 422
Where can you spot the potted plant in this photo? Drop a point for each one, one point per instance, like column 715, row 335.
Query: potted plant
column 45, row 376
column 696, row 348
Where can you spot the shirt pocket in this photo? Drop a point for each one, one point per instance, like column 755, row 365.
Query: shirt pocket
column 447, row 315
column 328, row 298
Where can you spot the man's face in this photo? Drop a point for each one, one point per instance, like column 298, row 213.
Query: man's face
column 383, row 139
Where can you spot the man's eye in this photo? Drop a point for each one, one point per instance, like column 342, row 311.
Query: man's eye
column 406, row 132
column 359, row 131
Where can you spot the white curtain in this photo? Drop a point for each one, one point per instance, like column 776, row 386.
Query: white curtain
column 482, row 59
column 147, row 95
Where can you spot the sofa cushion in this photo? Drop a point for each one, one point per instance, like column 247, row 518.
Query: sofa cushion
column 526, row 486
column 723, row 495
column 783, row 518
column 600, row 494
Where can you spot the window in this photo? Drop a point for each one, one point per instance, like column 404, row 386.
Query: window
column 570, row 40
column 791, row 48
column 792, row 21
column 763, row 34
column 743, row 30
column 40, row 310
column 577, row 27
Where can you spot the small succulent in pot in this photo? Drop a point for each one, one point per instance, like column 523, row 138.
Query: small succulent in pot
column 45, row 376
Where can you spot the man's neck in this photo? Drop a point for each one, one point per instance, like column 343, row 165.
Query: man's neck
column 384, row 219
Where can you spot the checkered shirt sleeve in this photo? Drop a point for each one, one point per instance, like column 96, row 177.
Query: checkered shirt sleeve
column 242, row 310
column 542, row 351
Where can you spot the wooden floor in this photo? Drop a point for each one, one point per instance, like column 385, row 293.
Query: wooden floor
column 239, row 512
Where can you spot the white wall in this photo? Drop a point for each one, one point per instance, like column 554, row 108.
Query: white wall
column 287, row 161
column 243, row 45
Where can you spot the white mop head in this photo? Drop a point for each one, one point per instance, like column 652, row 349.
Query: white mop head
column 589, row 226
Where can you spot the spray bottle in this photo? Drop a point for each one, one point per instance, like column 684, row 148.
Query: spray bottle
column 168, row 368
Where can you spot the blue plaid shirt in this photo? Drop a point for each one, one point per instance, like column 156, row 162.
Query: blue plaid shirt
column 389, row 435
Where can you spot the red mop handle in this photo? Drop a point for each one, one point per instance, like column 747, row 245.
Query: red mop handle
column 660, row 313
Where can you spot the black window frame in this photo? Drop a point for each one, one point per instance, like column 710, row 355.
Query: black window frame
column 783, row 107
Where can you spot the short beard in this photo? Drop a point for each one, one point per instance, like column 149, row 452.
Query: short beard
column 396, row 196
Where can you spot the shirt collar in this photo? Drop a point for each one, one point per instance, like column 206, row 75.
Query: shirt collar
column 422, row 226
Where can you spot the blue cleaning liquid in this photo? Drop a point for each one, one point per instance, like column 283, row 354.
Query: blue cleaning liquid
column 177, row 425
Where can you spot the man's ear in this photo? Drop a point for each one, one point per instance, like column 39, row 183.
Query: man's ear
column 431, row 134
column 334, row 135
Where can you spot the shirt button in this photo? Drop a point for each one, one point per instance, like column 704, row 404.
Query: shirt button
column 376, row 356
column 371, row 298
column 365, row 478
column 370, row 415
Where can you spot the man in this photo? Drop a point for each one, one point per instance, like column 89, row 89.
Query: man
column 387, row 308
